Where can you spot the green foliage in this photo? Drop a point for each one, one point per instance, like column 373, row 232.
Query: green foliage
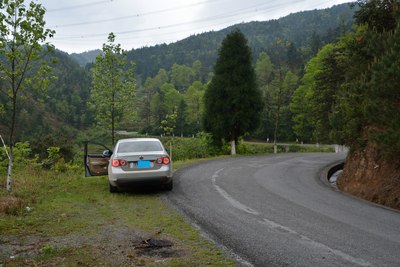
column 53, row 157
column 369, row 97
column 158, row 98
column 197, row 147
column 182, row 76
column 249, row 148
column 277, row 84
column 382, row 107
column 113, row 87
column 352, row 86
column 22, row 157
column 168, row 125
column 312, row 101
column 232, row 100
column 263, row 69
column 245, row 148
column 22, row 35
column 194, row 99
column 86, row 57
column 379, row 15
column 68, row 94
column 48, row 249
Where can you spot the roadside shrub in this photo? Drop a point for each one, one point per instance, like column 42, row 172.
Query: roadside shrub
column 22, row 156
column 254, row 148
column 190, row 148
column 53, row 156
column 310, row 148
column 55, row 161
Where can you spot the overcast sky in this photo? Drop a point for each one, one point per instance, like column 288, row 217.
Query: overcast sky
column 83, row 25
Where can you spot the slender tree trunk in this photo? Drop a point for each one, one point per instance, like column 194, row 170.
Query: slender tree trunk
column 278, row 111
column 9, row 171
column 11, row 140
column 14, row 114
column 10, row 164
column 113, row 113
column 113, row 123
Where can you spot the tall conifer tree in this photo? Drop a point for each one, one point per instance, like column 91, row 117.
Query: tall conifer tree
column 232, row 100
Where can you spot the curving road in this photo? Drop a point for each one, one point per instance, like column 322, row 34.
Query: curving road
column 274, row 210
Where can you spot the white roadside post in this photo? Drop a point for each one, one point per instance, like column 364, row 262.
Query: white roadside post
column 170, row 155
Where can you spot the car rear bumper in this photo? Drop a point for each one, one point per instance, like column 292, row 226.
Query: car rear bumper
column 118, row 177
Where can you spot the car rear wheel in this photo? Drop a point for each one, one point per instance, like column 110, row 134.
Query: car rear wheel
column 169, row 186
column 113, row 189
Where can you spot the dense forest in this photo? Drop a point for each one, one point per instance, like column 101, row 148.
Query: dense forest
column 307, row 31
column 170, row 80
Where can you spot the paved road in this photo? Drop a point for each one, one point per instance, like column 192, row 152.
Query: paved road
column 274, row 210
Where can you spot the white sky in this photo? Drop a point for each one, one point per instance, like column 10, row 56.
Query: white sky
column 83, row 25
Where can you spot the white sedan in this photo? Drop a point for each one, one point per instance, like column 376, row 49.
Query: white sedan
column 134, row 161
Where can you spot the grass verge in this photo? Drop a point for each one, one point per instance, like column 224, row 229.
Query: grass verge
column 65, row 219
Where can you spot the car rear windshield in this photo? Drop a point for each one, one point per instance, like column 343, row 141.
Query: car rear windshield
column 139, row 146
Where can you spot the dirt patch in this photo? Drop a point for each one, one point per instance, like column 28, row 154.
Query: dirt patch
column 13, row 246
column 110, row 246
column 368, row 176
column 160, row 248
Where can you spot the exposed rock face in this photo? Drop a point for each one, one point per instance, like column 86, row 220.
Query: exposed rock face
column 368, row 176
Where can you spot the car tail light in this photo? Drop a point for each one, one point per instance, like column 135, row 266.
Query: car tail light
column 163, row 160
column 118, row 162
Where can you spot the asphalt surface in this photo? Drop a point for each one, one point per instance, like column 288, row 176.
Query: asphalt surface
column 274, row 210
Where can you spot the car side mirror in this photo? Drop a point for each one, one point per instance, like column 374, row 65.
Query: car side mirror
column 106, row 153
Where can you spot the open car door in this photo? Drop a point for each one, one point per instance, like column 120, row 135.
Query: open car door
column 96, row 159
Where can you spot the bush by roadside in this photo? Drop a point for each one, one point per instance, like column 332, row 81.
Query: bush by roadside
column 202, row 147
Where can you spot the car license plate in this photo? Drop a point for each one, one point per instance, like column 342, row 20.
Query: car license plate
column 143, row 164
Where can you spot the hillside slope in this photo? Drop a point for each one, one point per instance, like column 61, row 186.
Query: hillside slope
column 298, row 28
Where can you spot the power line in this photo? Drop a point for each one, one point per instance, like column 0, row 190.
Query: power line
column 134, row 16
column 204, row 24
column 80, row 6
column 255, row 8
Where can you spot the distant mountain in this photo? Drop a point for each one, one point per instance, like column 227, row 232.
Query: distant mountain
column 86, row 57
column 299, row 28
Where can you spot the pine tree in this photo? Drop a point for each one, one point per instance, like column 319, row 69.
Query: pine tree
column 232, row 100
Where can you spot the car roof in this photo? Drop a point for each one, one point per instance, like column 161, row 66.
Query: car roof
column 138, row 139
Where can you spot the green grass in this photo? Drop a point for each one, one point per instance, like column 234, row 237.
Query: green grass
column 253, row 148
column 96, row 225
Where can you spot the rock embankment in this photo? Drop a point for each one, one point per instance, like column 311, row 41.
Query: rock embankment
column 369, row 176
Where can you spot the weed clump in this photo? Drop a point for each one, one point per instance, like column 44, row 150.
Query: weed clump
column 11, row 205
